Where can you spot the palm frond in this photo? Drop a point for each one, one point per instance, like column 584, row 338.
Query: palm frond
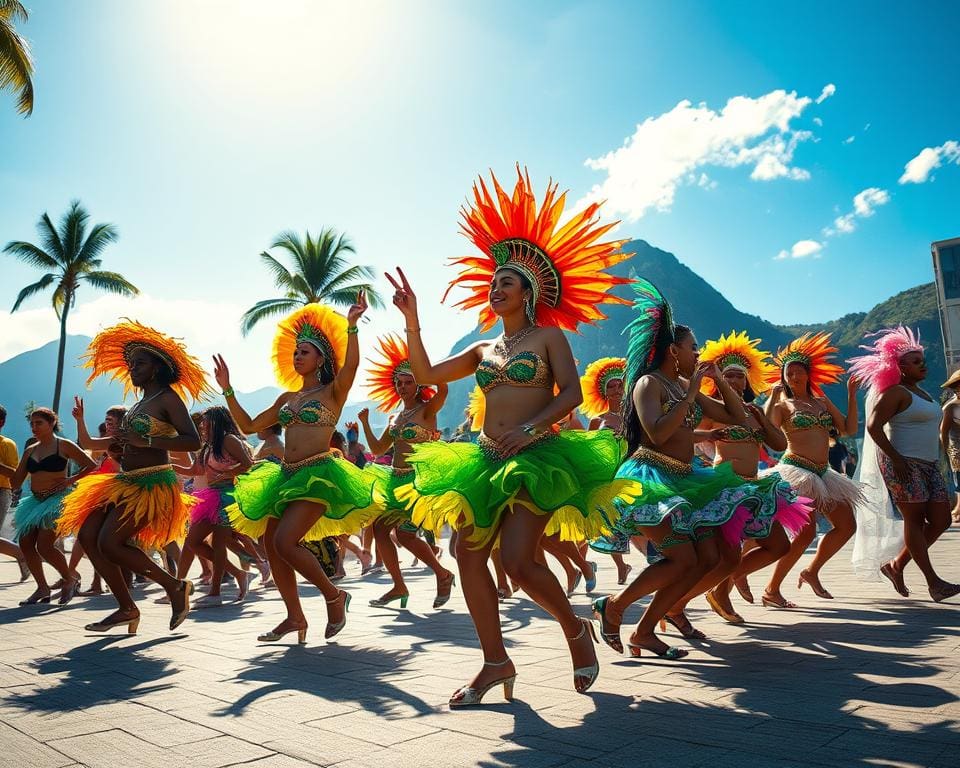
column 16, row 63
column 302, row 289
column 64, row 289
column 264, row 309
column 50, row 238
column 31, row 254
column 101, row 235
column 347, row 296
column 349, row 276
column 31, row 290
column 111, row 282
column 281, row 275
column 73, row 226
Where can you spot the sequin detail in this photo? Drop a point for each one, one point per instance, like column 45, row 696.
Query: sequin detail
column 661, row 461
column 739, row 434
column 693, row 416
column 491, row 448
column 312, row 413
column 794, row 460
column 411, row 432
column 804, row 420
column 524, row 369
column 147, row 426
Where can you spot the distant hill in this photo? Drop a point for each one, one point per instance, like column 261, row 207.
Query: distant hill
column 29, row 377
column 697, row 304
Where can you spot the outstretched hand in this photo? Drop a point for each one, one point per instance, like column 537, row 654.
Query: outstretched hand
column 220, row 372
column 356, row 310
column 77, row 411
column 404, row 298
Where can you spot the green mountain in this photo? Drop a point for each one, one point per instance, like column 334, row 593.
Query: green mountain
column 697, row 304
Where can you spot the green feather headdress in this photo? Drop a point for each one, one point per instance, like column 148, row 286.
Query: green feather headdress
column 653, row 315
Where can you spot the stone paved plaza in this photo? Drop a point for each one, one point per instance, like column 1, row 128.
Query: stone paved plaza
column 867, row 679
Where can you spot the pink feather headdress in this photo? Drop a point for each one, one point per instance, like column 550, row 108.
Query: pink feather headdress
column 880, row 369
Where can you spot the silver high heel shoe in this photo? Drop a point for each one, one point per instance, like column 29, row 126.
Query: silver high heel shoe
column 334, row 629
column 591, row 673
column 469, row 696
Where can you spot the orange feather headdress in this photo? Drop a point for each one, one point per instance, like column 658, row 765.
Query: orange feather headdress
column 565, row 265
column 110, row 351
column 738, row 350
column 816, row 352
column 316, row 324
column 394, row 360
column 594, row 384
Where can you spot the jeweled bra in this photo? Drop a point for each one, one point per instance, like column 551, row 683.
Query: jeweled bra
column 524, row 369
column 312, row 413
column 411, row 432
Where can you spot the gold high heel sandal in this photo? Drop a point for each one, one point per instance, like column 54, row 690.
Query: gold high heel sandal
column 180, row 616
column 334, row 629
column 272, row 636
column 730, row 618
column 106, row 626
column 468, row 696
column 592, row 672
column 441, row 600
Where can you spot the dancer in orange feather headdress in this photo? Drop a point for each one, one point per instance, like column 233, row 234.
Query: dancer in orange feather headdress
column 799, row 407
column 538, row 277
column 602, row 385
column 392, row 384
column 142, row 503
column 312, row 494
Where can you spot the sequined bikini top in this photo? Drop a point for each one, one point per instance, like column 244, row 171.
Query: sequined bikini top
column 524, row 369
column 146, row 425
column 805, row 420
column 312, row 413
column 739, row 434
column 693, row 416
column 411, row 432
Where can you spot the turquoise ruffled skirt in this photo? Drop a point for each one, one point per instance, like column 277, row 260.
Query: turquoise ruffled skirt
column 33, row 512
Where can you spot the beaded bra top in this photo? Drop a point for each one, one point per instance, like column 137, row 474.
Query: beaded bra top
column 312, row 413
column 806, row 420
column 740, row 434
column 411, row 432
column 524, row 369
column 694, row 414
column 146, row 425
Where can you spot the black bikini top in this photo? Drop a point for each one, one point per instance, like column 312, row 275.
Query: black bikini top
column 52, row 463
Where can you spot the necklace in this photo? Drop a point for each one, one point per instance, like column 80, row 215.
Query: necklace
column 406, row 413
column 139, row 405
column 505, row 344
column 674, row 389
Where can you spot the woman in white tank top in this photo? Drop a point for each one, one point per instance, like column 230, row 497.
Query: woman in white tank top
column 903, row 422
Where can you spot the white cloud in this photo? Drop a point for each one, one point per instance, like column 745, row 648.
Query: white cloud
column 817, row 121
column 801, row 249
column 849, row 139
column 865, row 204
column 918, row 170
column 672, row 149
column 828, row 90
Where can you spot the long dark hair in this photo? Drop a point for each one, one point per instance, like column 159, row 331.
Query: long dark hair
column 165, row 374
column 783, row 378
column 219, row 424
column 632, row 428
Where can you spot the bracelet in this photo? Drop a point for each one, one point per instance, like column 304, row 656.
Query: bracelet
column 412, row 330
column 149, row 441
column 529, row 429
column 228, row 392
column 352, row 329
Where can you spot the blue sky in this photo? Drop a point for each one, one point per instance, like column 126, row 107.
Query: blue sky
column 204, row 129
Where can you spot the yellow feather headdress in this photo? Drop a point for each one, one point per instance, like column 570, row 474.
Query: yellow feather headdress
column 316, row 324
column 394, row 360
column 738, row 350
column 564, row 264
column 594, row 384
column 110, row 351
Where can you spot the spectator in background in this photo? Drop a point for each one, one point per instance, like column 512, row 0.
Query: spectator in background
column 838, row 454
column 356, row 451
column 11, row 457
column 271, row 444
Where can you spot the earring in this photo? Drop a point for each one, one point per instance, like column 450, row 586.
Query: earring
column 531, row 311
column 676, row 365
column 319, row 374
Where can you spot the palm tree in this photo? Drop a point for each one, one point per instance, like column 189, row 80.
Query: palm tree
column 69, row 255
column 16, row 65
column 320, row 273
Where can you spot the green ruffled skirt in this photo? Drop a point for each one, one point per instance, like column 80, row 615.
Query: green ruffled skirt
column 569, row 476
column 388, row 481
column 343, row 490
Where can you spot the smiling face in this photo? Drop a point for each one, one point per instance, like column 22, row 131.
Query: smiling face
column 307, row 359
column 913, row 367
column 614, row 393
column 736, row 378
column 687, row 353
column 507, row 292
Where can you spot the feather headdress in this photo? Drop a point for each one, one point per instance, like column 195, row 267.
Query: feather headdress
column 110, row 352
column 316, row 324
column 816, row 352
column 654, row 316
column 880, row 368
column 594, row 384
column 476, row 409
column 394, row 360
column 564, row 264
column 738, row 350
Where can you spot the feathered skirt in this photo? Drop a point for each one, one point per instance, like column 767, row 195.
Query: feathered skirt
column 212, row 503
column 818, row 482
column 35, row 511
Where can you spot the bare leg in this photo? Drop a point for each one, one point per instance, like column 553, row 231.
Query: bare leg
column 285, row 579
column 503, row 583
column 387, row 552
column 785, row 564
column 195, row 539
column 763, row 553
column 423, row 551
column 89, row 537
column 923, row 523
column 28, row 545
column 844, row 526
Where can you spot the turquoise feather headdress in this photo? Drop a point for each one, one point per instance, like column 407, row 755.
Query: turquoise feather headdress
column 653, row 315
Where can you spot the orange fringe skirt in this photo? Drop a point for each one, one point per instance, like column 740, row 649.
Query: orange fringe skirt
column 152, row 497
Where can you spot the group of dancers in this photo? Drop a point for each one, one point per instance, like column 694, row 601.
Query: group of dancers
column 672, row 461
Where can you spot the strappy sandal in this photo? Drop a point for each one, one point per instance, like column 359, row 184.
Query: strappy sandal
column 805, row 577
column 610, row 637
column 743, row 588
column 335, row 629
column 730, row 618
column 896, row 578
column 776, row 601
column 944, row 592
column 468, row 696
column 588, row 674
column 683, row 626
column 671, row 654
